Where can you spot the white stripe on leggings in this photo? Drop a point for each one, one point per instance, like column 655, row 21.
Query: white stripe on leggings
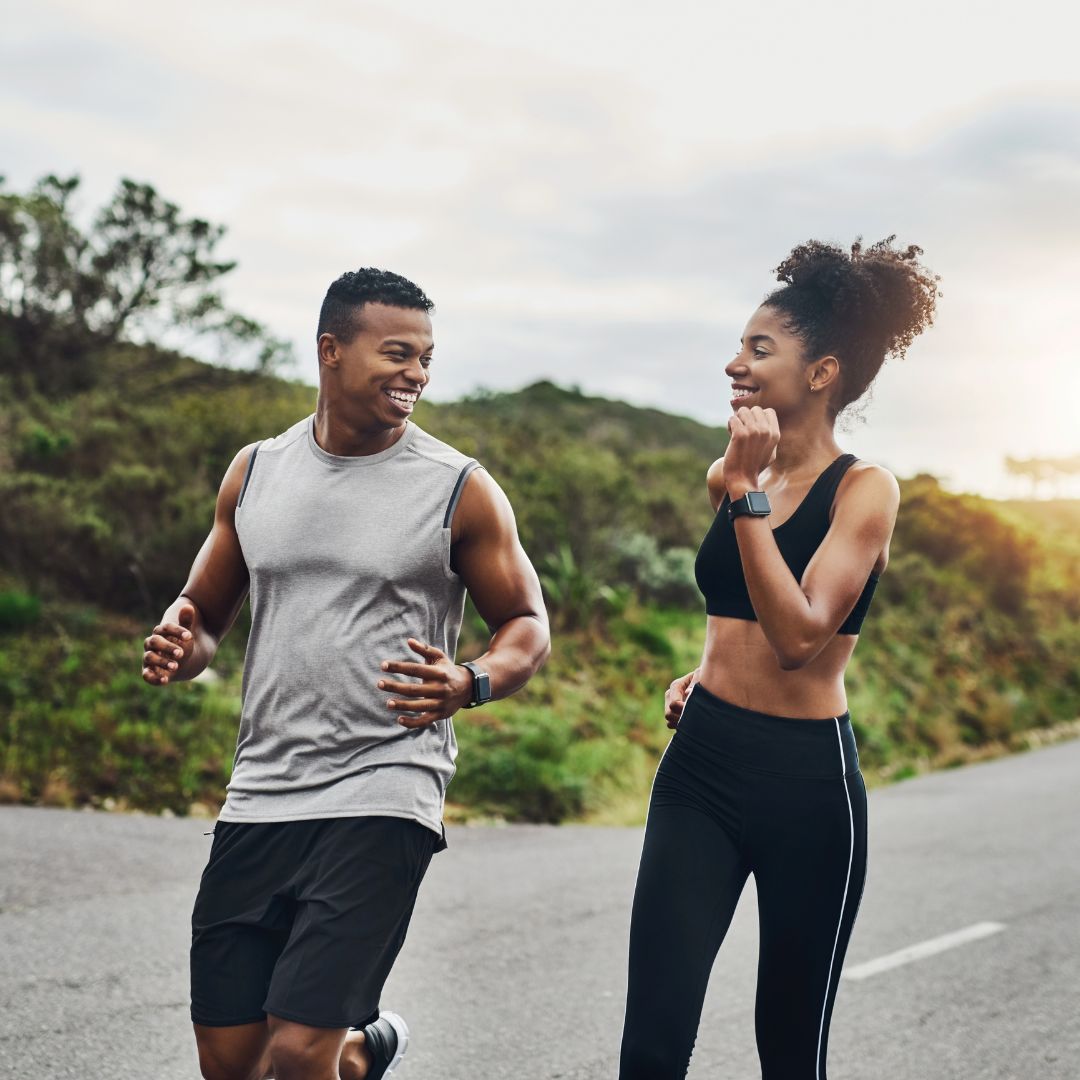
column 843, row 902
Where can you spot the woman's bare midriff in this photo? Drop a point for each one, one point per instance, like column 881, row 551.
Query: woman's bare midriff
column 740, row 667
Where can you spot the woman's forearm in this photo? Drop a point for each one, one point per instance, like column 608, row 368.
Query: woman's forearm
column 783, row 610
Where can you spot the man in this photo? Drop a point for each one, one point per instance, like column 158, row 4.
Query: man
column 357, row 535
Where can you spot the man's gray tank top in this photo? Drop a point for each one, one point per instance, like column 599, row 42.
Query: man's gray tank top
column 348, row 557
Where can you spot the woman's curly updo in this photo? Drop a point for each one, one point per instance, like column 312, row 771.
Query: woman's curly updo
column 859, row 306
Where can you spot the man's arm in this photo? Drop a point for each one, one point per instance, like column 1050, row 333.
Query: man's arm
column 490, row 560
column 488, row 556
column 185, row 641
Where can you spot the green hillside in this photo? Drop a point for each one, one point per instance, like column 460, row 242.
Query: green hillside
column 107, row 490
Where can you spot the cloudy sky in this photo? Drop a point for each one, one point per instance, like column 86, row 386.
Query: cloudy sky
column 595, row 192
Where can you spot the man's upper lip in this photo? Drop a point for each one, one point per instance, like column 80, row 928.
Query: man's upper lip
column 742, row 386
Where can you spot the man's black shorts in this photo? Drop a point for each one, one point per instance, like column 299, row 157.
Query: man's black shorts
column 303, row 919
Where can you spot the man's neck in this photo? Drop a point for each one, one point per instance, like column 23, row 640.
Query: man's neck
column 342, row 439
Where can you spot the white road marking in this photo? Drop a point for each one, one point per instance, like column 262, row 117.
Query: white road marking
column 922, row 950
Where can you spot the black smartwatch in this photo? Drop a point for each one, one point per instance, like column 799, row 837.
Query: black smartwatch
column 481, row 686
column 752, row 504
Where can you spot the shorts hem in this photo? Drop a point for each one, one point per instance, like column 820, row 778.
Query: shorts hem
column 205, row 1022
column 307, row 1021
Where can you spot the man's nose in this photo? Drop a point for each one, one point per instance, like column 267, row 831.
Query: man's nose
column 417, row 373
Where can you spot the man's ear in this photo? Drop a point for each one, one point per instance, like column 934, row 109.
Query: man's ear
column 328, row 351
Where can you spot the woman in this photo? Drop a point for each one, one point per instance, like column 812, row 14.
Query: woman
column 761, row 776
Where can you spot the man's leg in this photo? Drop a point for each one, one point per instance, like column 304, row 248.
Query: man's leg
column 300, row 1052
column 243, row 1052
column 323, row 956
column 354, row 900
column 355, row 1057
column 239, row 927
column 240, row 1052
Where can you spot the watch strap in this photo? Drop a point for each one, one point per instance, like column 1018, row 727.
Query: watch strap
column 481, row 686
column 752, row 504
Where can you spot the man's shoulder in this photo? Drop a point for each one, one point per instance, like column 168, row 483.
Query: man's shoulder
column 286, row 438
column 424, row 445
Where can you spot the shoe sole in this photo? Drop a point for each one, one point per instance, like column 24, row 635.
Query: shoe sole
column 401, row 1030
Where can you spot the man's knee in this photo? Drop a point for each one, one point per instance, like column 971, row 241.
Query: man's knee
column 215, row 1066
column 232, row 1053
column 294, row 1060
column 298, row 1052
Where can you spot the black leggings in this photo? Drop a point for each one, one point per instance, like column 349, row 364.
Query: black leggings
column 738, row 793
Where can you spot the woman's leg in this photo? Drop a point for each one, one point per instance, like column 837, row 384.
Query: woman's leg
column 808, row 851
column 688, row 884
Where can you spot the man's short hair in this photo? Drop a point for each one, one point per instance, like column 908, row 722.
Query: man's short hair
column 346, row 296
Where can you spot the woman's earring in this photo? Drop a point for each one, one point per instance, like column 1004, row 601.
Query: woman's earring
column 812, row 388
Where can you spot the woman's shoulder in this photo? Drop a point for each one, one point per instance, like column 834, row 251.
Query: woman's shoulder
column 714, row 478
column 868, row 486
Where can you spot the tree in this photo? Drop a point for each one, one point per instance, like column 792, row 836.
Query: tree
column 1039, row 471
column 140, row 268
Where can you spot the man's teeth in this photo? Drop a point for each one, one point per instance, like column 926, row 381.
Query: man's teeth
column 405, row 399
column 739, row 392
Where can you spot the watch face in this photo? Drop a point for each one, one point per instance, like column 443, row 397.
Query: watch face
column 483, row 688
column 758, row 502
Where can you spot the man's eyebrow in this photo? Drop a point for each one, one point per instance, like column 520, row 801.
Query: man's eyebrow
column 395, row 343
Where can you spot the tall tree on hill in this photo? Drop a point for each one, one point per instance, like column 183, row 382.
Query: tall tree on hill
column 1059, row 473
column 140, row 269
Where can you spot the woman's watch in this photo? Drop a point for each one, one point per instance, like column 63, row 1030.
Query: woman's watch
column 752, row 504
column 481, row 686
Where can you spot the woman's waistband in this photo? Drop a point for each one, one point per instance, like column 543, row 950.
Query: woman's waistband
column 777, row 744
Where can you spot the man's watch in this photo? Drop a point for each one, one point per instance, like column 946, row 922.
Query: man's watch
column 481, row 686
column 752, row 504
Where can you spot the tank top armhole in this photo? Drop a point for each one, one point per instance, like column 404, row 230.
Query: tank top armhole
column 247, row 475
column 455, row 497
column 840, row 468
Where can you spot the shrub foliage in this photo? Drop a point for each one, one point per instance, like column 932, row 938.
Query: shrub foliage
column 109, row 466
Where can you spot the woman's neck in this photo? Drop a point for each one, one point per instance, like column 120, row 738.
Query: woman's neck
column 804, row 445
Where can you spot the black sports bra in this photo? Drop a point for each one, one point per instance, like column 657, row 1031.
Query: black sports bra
column 719, row 570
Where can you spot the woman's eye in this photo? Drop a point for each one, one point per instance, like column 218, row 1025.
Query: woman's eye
column 760, row 351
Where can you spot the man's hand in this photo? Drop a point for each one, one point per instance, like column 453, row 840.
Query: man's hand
column 168, row 646
column 675, row 698
column 444, row 687
column 755, row 434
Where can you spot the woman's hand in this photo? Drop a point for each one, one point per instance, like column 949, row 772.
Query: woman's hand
column 676, row 695
column 755, row 434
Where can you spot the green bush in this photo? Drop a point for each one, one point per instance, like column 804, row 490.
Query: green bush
column 972, row 640
column 659, row 577
column 18, row 610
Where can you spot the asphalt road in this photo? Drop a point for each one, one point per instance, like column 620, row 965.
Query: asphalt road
column 514, row 967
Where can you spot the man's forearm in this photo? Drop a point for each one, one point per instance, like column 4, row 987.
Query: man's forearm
column 516, row 652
